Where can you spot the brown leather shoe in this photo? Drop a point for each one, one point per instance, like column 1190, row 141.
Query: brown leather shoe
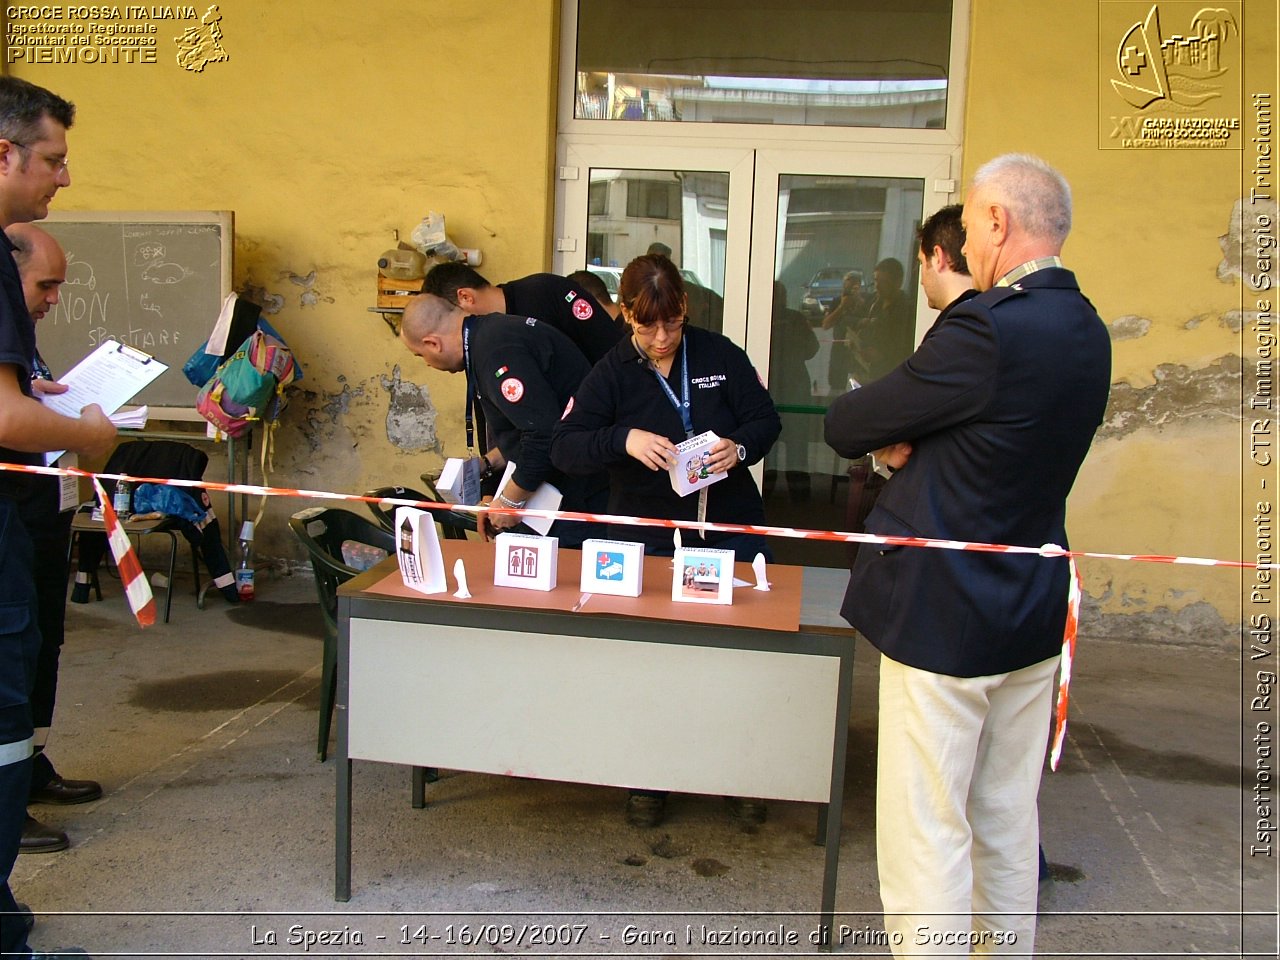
column 63, row 791
column 39, row 838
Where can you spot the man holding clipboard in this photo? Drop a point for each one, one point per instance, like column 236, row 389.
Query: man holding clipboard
column 33, row 167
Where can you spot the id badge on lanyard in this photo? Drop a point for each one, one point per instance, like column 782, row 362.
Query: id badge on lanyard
column 681, row 405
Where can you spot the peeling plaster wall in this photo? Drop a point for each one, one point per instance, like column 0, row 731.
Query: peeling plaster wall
column 330, row 128
column 1150, row 231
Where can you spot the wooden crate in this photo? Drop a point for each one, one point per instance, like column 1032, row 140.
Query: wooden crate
column 396, row 293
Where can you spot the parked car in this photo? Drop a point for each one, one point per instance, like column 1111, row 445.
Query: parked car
column 822, row 292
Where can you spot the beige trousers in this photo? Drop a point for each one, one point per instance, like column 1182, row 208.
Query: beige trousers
column 956, row 824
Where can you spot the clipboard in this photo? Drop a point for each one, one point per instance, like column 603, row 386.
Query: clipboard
column 110, row 376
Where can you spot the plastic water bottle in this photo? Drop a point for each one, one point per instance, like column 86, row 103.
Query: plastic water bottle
column 122, row 500
column 244, row 572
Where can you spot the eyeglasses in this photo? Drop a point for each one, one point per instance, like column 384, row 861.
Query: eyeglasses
column 670, row 326
column 58, row 165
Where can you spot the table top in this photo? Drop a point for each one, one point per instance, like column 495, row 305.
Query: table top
column 775, row 609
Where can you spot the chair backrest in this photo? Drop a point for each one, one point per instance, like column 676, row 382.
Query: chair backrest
column 455, row 527
column 324, row 532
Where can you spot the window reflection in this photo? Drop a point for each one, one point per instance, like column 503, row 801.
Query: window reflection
column 864, row 63
column 682, row 214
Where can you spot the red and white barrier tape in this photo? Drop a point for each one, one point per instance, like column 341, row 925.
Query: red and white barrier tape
column 143, row 604
column 136, row 588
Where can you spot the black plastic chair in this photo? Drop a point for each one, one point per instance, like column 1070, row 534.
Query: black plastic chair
column 324, row 531
column 454, row 525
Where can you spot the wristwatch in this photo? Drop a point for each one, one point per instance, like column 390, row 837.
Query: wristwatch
column 742, row 454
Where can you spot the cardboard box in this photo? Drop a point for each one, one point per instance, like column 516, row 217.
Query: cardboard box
column 702, row 575
column 397, row 293
column 690, row 472
column 525, row 562
column 613, row 567
column 460, row 481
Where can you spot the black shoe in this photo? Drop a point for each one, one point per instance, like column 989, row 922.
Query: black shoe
column 747, row 812
column 63, row 791
column 80, row 593
column 646, row 809
column 38, row 838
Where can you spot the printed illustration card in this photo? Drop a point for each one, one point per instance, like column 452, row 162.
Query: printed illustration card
column 613, row 567
column 418, row 550
column 526, row 562
column 692, row 471
column 702, row 576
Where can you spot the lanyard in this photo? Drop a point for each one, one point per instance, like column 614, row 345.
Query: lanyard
column 682, row 408
column 471, row 411
column 681, row 405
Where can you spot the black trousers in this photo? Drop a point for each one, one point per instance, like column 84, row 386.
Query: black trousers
column 19, row 650
column 50, row 533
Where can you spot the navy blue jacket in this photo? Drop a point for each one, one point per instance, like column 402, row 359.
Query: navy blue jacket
column 621, row 393
column 1001, row 402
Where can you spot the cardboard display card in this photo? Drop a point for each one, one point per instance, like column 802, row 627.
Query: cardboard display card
column 613, row 567
column 702, row 576
column 460, row 481
column 418, row 550
column 691, row 471
column 529, row 563
column 546, row 497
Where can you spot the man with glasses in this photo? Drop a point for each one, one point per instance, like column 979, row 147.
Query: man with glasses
column 33, row 167
column 552, row 299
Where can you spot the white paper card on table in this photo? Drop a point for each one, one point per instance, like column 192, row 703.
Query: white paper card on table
column 702, row 575
column 613, row 567
column 526, row 562
column 110, row 376
column 418, row 550
column 691, row 471
column 546, row 497
column 460, row 481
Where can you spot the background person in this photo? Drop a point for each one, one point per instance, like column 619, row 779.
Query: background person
column 999, row 406
column 544, row 296
column 521, row 373
column 43, row 267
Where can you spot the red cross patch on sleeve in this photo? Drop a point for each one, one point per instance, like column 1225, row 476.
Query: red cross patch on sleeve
column 582, row 310
column 512, row 389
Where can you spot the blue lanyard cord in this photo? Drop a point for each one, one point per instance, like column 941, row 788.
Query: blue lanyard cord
column 469, row 416
column 681, row 405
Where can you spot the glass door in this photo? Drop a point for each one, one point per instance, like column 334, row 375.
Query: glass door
column 833, row 305
column 804, row 258
column 617, row 203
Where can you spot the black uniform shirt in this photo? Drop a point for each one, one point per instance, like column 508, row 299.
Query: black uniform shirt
column 571, row 310
column 525, row 372
column 622, row 393
column 17, row 348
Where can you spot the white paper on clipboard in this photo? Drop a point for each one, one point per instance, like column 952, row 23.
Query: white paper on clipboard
column 110, row 376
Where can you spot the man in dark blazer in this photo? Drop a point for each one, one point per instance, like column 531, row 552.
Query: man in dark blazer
column 987, row 424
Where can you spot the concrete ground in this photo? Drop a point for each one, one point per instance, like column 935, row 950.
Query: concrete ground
column 215, row 835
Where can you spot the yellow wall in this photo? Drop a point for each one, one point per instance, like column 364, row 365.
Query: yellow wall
column 333, row 124
column 1165, row 476
column 330, row 126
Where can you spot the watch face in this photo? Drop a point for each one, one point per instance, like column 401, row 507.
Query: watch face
column 742, row 452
